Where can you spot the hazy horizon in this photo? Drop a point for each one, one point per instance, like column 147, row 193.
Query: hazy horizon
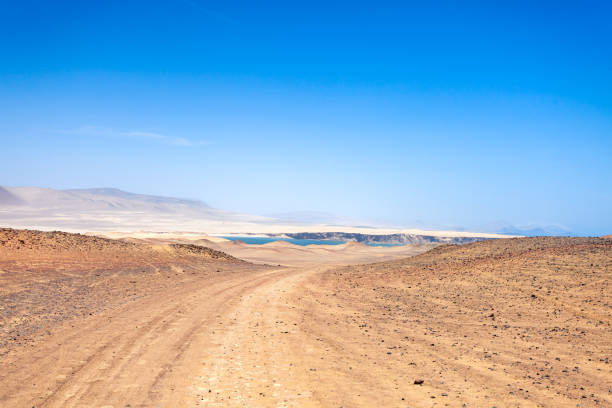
column 433, row 116
column 46, row 208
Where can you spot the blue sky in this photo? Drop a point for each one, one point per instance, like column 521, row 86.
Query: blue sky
column 474, row 115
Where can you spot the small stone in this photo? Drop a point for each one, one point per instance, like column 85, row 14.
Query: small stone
column 418, row 382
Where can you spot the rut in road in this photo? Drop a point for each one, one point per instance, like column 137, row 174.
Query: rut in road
column 144, row 354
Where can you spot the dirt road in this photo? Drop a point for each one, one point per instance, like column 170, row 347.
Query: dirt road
column 155, row 351
column 227, row 341
column 517, row 323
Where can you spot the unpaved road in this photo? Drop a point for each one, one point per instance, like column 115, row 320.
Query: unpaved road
column 514, row 323
column 157, row 351
column 226, row 341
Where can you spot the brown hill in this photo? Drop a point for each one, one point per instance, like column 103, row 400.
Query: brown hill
column 281, row 244
column 12, row 240
column 513, row 322
column 15, row 244
column 48, row 277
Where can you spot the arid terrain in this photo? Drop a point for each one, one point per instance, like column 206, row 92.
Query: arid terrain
column 87, row 321
column 281, row 253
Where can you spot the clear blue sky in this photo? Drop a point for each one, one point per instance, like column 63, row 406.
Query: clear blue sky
column 441, row 115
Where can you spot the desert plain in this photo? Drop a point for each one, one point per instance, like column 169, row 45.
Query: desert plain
column 164, row 321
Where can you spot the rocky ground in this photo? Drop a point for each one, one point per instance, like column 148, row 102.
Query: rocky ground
column 87, row 321
column 47, row 278
column 520, row 322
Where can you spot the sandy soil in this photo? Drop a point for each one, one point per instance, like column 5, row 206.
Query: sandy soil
column 88, row 322
column 282, row 253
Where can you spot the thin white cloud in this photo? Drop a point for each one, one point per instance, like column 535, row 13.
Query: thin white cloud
column 95, row 131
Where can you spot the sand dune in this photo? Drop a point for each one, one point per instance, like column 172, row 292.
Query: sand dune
column 282, row 252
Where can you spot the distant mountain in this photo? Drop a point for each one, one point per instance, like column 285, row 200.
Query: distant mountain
column 114, row 192
column 110, row 209
column 106, row 208
column 8, row 199
column 95, row 199
column 392, row 239
column 306, row 217
column 315, row 217
column 535, row 231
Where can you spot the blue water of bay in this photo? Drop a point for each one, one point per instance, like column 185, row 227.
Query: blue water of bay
column 303, row 242
column 265, row 240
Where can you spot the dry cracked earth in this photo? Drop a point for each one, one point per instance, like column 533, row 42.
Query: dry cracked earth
column 94, row 322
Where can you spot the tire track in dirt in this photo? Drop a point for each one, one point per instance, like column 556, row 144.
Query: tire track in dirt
column 139, row 355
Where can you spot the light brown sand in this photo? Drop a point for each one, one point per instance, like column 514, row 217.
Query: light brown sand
column 524, row 322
